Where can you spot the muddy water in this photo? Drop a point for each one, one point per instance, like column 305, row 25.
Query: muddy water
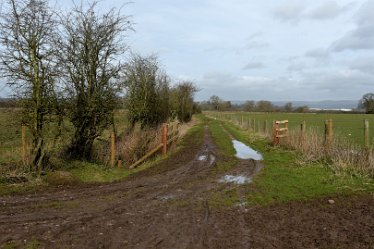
column 245, row 152
column 241, row 179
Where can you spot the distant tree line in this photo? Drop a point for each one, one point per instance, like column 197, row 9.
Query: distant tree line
column 217, row 104
column 71, row 66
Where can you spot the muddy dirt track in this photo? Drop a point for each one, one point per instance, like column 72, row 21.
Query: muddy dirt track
column 168, row 207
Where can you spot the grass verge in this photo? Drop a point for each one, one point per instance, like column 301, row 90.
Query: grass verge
column 88, row 173
column 226, row 151
column 284, row 179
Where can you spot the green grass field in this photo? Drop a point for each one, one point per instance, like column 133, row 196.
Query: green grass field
column 283, row 179
column 349, row 126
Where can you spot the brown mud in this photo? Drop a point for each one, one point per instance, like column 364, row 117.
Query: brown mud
column 168, row 206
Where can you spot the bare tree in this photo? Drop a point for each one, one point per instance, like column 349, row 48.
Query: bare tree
column 28, row 62
column 147, row 91
column 91, row 44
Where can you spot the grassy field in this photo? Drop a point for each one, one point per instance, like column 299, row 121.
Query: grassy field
column 349, row 126
column 283, row 179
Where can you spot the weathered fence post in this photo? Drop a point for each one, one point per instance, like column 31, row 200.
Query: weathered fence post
column 366, row 133
column 254, row 125
column 303, row 127
column 328, row 132
column 113, row 149
column 164, row 138
column 24, row 144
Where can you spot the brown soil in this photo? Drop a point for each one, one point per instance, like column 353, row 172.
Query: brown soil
column 169, row 206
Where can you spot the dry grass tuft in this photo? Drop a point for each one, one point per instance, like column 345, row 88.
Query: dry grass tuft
column 342, row 154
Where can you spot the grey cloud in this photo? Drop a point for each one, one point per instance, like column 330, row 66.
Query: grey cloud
column 296, row 67
column 365, row 14
column 291, row 11
column 316, row 85
column 255, row 45
column 254, row 35
column 362, row 37
column 364, row 65
column 359, row 39
column 348, row 82
column 319, row 54
column 253, row 65
column 295, row 11
column 328, row 10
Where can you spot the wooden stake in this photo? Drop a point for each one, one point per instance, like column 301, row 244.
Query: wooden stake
column 328, row 132
column 120, row 164
column 303, row 127
column 276, row 130
column 164, row 138
column 113, row 149
column 366, row 133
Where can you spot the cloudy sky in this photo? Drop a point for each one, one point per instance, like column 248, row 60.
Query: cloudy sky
column 247, row 49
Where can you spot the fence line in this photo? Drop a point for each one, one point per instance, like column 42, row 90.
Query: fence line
column 168, row 137
column 343, row 154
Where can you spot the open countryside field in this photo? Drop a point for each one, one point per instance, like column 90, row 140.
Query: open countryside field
column 348, row 126
column 183, row 202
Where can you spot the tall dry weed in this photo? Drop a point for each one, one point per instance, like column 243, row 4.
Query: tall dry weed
column 342, row 154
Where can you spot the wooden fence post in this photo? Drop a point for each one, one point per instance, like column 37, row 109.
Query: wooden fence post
column 164, row 138
column 24, row 144
column 254, row 125
column 366, row 133
column 120, row 164
column 275, row 133
column 303, row 128
column 113, row 149
column 328, row 132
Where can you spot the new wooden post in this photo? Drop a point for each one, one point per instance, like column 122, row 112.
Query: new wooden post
column 24, row 144
column 164, row 138
column 276, row 129
column 113, row 149
column 366, row 133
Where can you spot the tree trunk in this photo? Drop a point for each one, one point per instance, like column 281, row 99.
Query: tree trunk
column 81, row 145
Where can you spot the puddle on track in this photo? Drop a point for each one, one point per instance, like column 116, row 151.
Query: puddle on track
column 235, row 179
column 245, row 152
